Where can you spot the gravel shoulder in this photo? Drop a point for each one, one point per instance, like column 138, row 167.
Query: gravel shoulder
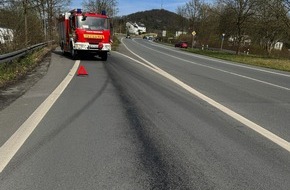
column 13, row 91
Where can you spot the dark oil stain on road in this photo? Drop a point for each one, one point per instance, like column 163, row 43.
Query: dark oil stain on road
column 164, row 170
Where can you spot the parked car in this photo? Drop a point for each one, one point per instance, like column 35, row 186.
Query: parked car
column 181, row 45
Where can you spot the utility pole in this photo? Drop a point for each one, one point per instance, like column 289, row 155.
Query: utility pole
column 25, row 22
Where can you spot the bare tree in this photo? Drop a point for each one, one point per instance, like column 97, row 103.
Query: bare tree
column 181, row 11
column 206, row 23
column 271, row 24
column 201, row 19
column 192, row 12
column 48, row 10
column 110, row 6
column 30, row 19
column 237, row 14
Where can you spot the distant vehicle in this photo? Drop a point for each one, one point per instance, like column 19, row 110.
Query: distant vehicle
column 128, row 36
column 181, row 45
column 151, row 38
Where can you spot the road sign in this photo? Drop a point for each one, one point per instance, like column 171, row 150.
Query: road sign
column 193, row 33
column 164, row 33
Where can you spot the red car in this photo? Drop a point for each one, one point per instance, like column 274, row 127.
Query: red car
column 181, row 45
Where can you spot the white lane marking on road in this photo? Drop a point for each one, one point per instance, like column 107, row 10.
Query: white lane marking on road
column 220, row 61
column 264, row 132
column 14, row 143
column 224, row 71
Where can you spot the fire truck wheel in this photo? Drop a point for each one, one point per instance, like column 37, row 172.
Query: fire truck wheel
column 62, row 49
column 64, row 53
column 73, row 53
column 104, row 56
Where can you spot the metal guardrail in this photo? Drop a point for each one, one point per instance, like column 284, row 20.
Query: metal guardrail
column 20, row 53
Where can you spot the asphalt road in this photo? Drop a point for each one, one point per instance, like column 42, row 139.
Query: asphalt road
column 131, row 124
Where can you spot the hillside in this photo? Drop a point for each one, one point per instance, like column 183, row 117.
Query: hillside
column 157, row 19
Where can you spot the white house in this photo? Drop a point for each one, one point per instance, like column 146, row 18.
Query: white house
column 6, row 35
column 178, row 33
column 278, row 46
column 134, row 28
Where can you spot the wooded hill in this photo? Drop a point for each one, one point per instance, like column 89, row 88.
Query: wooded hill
column 155, row 20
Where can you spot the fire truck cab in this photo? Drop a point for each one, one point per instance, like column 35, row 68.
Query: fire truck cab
column 85, row 33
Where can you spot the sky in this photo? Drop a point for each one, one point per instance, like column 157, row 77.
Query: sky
column 131, row 6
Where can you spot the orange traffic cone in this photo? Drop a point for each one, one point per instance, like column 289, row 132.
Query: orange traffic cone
column 82, row 71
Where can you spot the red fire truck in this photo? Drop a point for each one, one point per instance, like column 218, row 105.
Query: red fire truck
column 82, row 32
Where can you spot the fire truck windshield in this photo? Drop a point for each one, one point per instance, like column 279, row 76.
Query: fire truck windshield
column 93, row 23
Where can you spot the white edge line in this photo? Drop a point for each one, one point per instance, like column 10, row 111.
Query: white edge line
column 223, row 61
column 224, row 71
column 264, row 132
column 14, row 143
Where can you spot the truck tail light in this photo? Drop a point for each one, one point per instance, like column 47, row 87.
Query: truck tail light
column 100, row 46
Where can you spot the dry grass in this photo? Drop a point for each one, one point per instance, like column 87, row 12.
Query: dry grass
column 17, row 69
column 267, row 62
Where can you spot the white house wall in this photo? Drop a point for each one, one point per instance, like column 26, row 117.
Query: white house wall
column 6, row 35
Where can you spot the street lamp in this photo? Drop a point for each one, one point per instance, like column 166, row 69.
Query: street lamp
column 223, row 37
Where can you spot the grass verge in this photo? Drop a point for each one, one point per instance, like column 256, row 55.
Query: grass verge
column 267, row 62
column 13, row 71
column 116, row 43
